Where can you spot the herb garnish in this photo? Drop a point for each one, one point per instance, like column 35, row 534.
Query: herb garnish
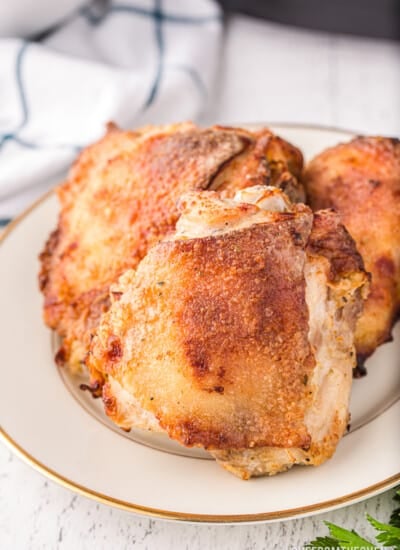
column 388, row 535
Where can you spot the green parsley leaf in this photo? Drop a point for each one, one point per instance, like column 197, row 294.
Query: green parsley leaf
column 327, row 543
column 389, row 535
column 343, row 539
column 395, row 517
column 340, row 539
column 348, row 539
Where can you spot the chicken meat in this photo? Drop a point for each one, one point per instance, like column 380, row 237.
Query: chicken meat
column 361, row 181
column 235, row 332
column 120, row 199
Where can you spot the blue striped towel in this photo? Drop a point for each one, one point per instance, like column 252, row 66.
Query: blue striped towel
column 137, row 62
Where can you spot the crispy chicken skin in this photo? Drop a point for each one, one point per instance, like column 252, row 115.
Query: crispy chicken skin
column 235, row 333
column 361, row 181
column 120, row 199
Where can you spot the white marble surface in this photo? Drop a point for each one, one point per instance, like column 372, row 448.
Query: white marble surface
column 269, row 73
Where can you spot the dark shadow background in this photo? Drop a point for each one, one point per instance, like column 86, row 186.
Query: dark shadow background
column 372, row 18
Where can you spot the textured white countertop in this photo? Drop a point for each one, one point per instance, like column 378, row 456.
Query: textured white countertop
column 270, row 73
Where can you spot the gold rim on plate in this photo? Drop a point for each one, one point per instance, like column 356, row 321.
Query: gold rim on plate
column 372, row 490
column 194, row 518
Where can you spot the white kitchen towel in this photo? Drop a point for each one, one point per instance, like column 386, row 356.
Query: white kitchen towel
column 135, row 62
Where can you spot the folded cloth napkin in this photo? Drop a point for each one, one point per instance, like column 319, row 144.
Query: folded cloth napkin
column 133, row 62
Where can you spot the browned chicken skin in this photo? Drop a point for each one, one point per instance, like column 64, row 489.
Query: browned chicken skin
column 120, row 199
column 235, row 333
column 361, row 181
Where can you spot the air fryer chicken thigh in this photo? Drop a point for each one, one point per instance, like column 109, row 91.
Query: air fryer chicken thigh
column 361, row 181
column 235, row 333
column 120, row 199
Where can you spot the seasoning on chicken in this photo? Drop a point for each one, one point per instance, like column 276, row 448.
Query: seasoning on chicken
column 120, row 199
column 235, row 333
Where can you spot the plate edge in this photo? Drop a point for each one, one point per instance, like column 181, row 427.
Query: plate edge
column 181, row 516
column 190, row 517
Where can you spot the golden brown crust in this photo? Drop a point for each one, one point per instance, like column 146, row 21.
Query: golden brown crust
column 110, row 404
column 237, row 338
column 361, row 180
column 46, row 257
column 120, row 199
column 268, row 160
column 227, row 317
column 261, row 461
column 329, row 238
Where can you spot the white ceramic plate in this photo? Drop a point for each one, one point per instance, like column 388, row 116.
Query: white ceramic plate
column 62, row 432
